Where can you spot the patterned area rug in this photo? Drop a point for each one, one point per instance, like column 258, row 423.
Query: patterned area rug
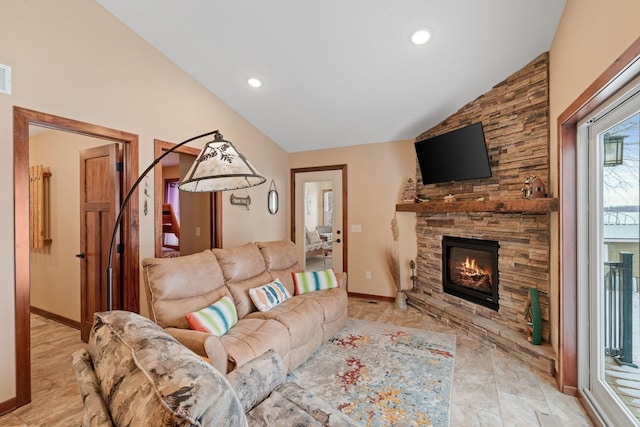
column 383, row 375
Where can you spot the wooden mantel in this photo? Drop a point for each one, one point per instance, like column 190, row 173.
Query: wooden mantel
column 529, row 206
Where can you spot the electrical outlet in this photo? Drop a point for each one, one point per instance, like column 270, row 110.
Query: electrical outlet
column 367, row 275
column 197, row 231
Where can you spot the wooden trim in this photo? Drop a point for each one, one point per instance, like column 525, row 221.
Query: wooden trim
column 371, row 297
column 345, row 204
column 527, row 206
column 22, row 119
column 8, row 406
column 622, row 71
column 615, row 77
column 55, row 317
column 216, row 198
column 21, row 252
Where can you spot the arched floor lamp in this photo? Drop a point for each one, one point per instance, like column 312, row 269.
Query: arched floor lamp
column 219, row 166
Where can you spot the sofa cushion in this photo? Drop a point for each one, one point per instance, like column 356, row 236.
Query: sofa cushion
column 268, row 296
column 241, row 263
column 216, row 319
column 176, row 286
column 147, row 375
column 291, row 405
column 303, row 318
column 333, row 302
column 310, row 281
column 243, row 268
column 278, row 254
column 281, row 257
column 240, row 292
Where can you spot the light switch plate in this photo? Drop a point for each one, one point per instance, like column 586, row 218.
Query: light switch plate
column 5, row 79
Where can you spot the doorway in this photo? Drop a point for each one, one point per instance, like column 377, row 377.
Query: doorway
column 570, row 349
column 319, row 216
column 608, row 252
column 22, row 120
column 210, row 204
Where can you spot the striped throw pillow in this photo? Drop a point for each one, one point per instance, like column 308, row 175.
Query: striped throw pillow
column 310, row 281
column 216, row 319
column 268, row 296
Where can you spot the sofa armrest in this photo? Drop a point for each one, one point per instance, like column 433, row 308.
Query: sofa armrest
column 202, row 344
column 342, row 279
column 96, row 412
column 320, row 410
column 255, row 380
column 216, row 353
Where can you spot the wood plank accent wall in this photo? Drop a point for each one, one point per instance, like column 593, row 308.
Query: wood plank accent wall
column 515, row 117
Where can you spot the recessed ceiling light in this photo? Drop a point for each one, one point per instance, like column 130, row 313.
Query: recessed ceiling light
column 421, row 37
column 253, row 82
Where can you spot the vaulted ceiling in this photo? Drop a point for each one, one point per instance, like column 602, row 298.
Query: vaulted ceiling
column 344, row 72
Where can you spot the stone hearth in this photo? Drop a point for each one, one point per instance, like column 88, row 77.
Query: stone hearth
column 490, row 333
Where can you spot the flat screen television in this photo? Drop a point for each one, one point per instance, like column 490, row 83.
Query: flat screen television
column 454, row 156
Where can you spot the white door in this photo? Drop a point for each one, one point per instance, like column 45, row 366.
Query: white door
column 609, row 262
column 319, row 208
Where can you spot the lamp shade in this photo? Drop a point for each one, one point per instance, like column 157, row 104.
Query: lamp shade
column 220, row 166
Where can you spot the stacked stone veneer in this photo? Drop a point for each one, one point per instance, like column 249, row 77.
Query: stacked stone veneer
column 515, row 117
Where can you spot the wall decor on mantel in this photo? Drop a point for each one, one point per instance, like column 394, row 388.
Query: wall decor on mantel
column 515, row 117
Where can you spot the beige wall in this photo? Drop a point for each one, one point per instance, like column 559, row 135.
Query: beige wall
column 591, row 35
column 195, row 215
column 55, row 271
column 377, row 174
column 73, row 59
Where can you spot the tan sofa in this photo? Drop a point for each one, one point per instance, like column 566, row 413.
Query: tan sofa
column 294, row 329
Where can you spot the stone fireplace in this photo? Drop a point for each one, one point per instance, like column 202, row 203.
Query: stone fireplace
column 515, row 117
column 470, row 270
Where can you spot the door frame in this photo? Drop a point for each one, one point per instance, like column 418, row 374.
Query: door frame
column 345, row 204
column 159, row 147
column 621, row 72
column 22, row 119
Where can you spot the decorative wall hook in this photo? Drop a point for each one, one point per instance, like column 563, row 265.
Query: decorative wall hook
column 237, row 200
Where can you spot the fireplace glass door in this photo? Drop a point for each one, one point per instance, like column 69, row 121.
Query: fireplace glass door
column 470, row 270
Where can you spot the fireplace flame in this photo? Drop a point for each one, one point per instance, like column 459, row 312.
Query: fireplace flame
column 469, row 269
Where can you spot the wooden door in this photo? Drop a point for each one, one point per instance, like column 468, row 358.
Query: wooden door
column 99, row 201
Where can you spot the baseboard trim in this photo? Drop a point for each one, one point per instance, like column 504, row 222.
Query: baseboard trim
column 8, row 406
column 371, row 297
column 570, row 390
column 55, row 317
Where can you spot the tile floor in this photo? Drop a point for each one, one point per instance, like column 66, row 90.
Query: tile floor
column 490, row 388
